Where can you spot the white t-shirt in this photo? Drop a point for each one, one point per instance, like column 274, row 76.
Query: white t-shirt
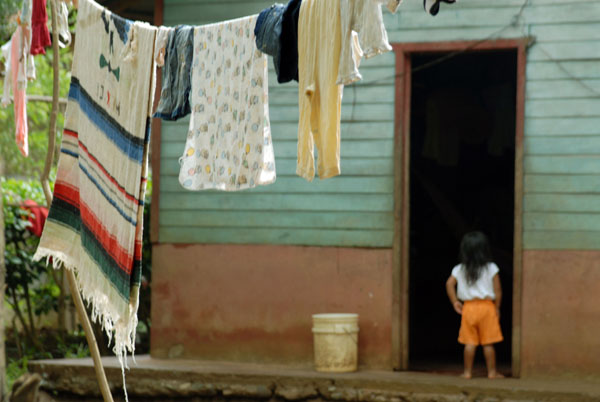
column 483, row 288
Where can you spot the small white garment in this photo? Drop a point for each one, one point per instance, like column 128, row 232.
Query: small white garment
column 27, row 66
column 7, row 74
column 63, row 25
column 229, row 143
column 160, row 45
column 363, row 35
column 482, row 289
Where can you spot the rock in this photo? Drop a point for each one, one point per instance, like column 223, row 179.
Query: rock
column 26, row 388
column 247, row 390
column 292, row 393
column 339, row 394
column 44, row 397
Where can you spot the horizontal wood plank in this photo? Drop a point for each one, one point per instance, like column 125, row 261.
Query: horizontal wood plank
column 562, row 89
column 561, row 240
column 560, row 221
column 287, row 167
column 375, row 130
column 289, row 149
column 570, row 145
column 587, row 107
column 551, row 183
column 309, row 237
column 562, row 164
column 549, row 70
column 296, row 184
column 562, row 203
column 284, row 202
column 562, row 126
column 278, row 219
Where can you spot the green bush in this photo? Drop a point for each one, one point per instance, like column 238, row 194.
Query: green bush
column 31, row 290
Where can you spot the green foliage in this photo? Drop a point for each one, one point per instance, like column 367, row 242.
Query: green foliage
column 15, row 369
column 30, row 288
column 8, row 8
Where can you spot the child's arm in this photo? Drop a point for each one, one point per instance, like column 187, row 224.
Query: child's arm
column 451, row 290
column 497, row 292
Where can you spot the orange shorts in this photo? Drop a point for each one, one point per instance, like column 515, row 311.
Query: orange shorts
column 479, row 324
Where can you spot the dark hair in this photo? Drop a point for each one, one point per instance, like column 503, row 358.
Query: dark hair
column 474, row 254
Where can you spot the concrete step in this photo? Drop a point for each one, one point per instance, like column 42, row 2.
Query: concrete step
column 192, row 380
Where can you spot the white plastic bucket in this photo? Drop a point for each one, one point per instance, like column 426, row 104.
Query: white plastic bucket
column 335, row 342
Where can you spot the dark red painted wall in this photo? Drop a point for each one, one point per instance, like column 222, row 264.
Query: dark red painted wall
column 253, row 303
column 561, row 313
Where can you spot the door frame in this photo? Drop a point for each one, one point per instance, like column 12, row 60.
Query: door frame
column 400, row 262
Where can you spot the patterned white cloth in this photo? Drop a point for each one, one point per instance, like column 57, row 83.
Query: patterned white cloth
column 229, row 143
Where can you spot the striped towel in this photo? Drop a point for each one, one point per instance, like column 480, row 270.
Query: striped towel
column 94, row 225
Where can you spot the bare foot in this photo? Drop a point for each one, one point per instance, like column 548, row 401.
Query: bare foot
column 495, row 375
column 466, row 376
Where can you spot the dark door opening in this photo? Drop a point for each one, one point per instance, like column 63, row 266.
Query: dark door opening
column 462, row 158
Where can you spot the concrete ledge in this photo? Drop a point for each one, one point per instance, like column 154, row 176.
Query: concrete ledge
column 189, row 380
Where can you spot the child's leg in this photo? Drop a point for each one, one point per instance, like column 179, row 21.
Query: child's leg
column 469, row 358
column 490, row 361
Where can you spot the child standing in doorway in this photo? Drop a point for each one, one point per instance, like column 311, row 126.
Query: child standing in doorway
column 475, row 293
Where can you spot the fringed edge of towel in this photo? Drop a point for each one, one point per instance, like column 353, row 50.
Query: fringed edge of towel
column 96, row 290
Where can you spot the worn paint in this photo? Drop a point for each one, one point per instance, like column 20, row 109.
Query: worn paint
column 560, row 324
column 254, row 303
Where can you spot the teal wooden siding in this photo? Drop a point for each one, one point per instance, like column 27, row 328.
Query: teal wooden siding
column 354, row 209
column 562, row 135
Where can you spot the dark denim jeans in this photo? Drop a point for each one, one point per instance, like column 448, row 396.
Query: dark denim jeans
column 176, row 74
column 276, row 34
column 268, row 32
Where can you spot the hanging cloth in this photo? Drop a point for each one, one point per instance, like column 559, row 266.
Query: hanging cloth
column 40, row 37
column 64, row 33
column 229, row 145
column 319, row 97
column 94, row 226
column 15, row 53
column 174, row 100
column 363, row 35
column 288, row 43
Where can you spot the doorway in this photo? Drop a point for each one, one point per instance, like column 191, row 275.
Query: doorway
column 461, row 178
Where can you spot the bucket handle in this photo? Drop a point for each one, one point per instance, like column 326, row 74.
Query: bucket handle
column 355, row 339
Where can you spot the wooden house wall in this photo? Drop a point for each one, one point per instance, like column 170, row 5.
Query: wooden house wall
column 561, row 149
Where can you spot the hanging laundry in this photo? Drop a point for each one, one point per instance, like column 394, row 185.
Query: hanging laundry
column 27, row 70
column 175, row 92
column 162, row 37
column 15, row 54
column 64, row 33
column 288, row 43
column 94, row 226
column 433, row 6
column 228, row 145
column 40, row 37
column 268, row 32
column 363, row 34
column 320, row 98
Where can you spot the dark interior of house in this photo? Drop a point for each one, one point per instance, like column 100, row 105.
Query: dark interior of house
column 462, row 154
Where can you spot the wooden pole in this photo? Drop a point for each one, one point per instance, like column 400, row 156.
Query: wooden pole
column 87, row 327
column 3, row 390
